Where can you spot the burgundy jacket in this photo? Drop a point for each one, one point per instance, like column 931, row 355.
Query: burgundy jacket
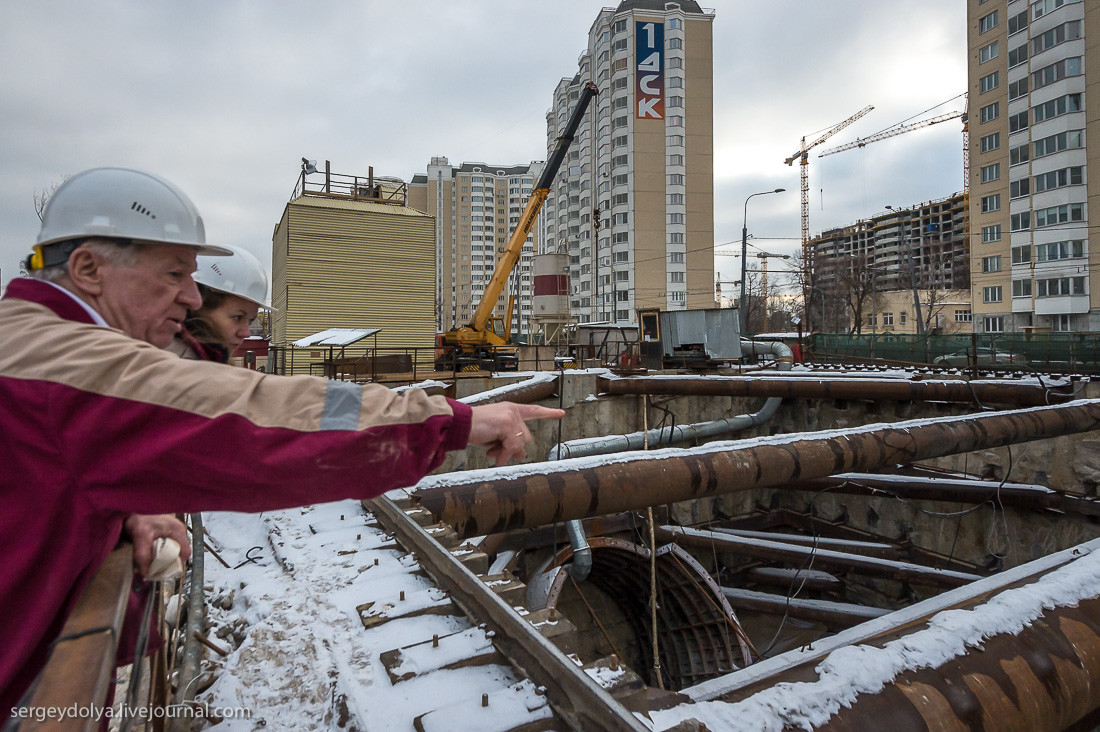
column 96, row 425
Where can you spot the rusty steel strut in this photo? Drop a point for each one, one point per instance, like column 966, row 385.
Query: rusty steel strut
column 585, row 487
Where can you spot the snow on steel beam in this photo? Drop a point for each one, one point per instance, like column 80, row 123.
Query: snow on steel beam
column 501, row 499
column 1025, row 395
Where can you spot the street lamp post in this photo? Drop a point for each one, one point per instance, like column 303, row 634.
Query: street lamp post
column 744, row 257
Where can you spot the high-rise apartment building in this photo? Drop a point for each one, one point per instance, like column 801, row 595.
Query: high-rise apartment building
column 1034, row 144
column 919, row 251
column 476, row 208
column 633, row 205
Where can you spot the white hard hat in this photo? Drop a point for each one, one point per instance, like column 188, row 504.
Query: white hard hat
column 119, row 203
column 241, row 275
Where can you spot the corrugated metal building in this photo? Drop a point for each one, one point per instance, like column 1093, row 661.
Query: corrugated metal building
column 353, row 263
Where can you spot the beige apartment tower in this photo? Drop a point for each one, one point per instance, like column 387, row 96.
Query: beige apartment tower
column 1034, row 137
column 476, row 208
column 633, row 206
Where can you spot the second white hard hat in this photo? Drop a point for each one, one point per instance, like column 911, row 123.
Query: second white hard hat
column 241, row 275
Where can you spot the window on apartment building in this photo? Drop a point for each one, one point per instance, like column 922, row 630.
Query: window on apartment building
column 676, row 159
column 675, row 218
column 675, row 179
column 620, row 199
column 989, row 112
column 674, row 43
column 988, row 53
column 1057, row 35
column 902, row 316
column 619, row 26
column 677, row 296
column 675, row 141
column 676, row 199
column 1066, row 104
column 675, row 23
column 991, row 264
column 1060, row 287
column 991, row 172
column 676, row 257
column 676, row 238
column 1017, row 23
column 1017, row 89
column 1061, row 322
column 620, row 180
column 1018, row 154
column 620, row 103
column 619, row 65
column 620, row 141
column 620, row 160
column 620, row 257
column 1021, row 254
column 987, row 22
column 622, row 276
column 994, row 324
column 619, row 45
column 618, row 122
column 1057, row 143
column 1070, row 249
column 620, row 237
column 675, row 276
column 1017, row 122
column 1021, row 288
column 1059, row 215
column 989, row 82
column 887, row 320
column 675, row 120
column 620, row 219
column 992, row 294
column 1057, row 71
column 675, row 101
column 1044, row 7
column 676, row 63
column 1017, row 56
column 991, row 203
column 619, row 84
column 990, row 142
column 991, row 233
column 963, row 316
column 1073, row 176
column 675, row 82
column 1019, row 188
column 1020, row 221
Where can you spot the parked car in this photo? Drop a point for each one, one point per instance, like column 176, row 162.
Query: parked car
column 983, row 357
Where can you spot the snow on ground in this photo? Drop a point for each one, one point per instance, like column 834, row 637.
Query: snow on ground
column 307, row 662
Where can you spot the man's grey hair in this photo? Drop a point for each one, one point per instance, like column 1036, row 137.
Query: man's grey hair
column 120, row 254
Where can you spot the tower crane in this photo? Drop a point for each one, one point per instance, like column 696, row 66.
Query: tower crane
column 803, row 153
column 763, row 256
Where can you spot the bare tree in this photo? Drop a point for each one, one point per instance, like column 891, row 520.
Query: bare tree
column 41, row 198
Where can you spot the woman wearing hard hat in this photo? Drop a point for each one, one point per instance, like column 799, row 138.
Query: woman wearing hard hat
column 233, row 290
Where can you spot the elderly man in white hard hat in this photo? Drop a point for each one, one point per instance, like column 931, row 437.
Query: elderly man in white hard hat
column 97, row 423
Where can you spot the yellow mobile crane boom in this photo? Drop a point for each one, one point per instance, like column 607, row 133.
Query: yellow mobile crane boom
column 479, row 343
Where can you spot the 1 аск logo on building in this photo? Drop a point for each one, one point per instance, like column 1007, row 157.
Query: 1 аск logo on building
column 649, row 75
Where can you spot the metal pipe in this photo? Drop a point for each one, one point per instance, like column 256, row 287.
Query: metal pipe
column 189, row 665
column 856, row 388
column 486, row 502
column 581, row 566
column 538, row 387
column 683, row 433
column 825, row 558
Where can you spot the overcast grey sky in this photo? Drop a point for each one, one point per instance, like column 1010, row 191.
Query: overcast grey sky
column 224, row 99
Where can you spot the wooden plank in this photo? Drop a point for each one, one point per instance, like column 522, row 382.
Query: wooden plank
column 82, row 663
